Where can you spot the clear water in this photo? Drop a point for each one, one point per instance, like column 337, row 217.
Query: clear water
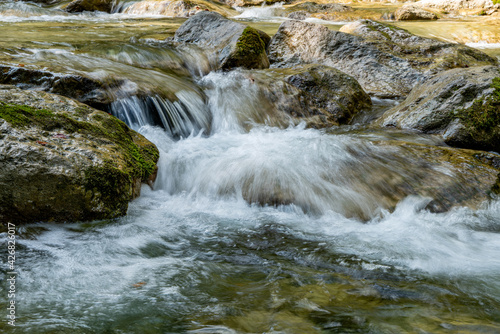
column 202, row 253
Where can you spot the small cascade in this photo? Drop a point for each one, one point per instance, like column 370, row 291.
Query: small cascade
column 186, row 116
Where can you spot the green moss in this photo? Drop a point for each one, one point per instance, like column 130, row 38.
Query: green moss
column 112, row 184
column 484, row 113
column 139, row 160
column 482, row 119
column 22, row 116
column 496, row 187
column 249, row 49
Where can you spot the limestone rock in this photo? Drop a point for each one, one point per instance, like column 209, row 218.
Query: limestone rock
column 61, row 160
column 87, row 90
column 455, row 5
column 443, row 105
column 232, row 44
column 409, row 12
column 329, row 89
column 299, row 15
column 389, row 65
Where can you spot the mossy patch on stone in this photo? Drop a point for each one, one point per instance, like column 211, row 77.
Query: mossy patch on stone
column 113, row 182
column 249, row 50
column 482, row 118
column 140, row 160
column 22, row 116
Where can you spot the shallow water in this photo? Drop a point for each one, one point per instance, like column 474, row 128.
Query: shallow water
column 201, row 253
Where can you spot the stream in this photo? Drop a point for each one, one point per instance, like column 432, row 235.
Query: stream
column 200, row 252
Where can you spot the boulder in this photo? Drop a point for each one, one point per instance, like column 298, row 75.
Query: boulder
column 409, row 12
column 299, row 15
column 230, row 43
column 313, row 7
column 77, row 6
column 387, row 66
column 177, row 8
column 455, row 5
column 327, row 88
column 462, row 105
column 61, row 160
column 96, row 93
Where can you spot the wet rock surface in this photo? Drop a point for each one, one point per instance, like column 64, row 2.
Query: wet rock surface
column 232, row 44
column 453, row 104
column 64, row 161
column 387, row 62
column 78, row 6
column 409, row 12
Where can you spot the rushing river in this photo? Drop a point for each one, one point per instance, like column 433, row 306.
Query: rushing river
column 193, row 256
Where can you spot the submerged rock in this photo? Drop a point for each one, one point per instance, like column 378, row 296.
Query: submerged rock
column 409, row 12
column 389, row 65
column 176, row 8
column 90, row 6
column 463, row 105
column 61, row 160
column 231, row 44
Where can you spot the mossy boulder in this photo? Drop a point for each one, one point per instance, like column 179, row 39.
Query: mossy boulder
column 387, row 65
column 229, row 44
column 462, row 105
column 77, row 6
column 61, row 160
column 326, row 88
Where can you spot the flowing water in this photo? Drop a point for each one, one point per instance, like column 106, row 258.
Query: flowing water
column 254, row 225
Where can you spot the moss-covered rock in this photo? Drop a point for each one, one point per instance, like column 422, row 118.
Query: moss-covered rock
column 463, row 105
column 249, row 52
column 64, row 161
column 229, row 44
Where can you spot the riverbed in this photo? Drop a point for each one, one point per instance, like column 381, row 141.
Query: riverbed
column 195, row 255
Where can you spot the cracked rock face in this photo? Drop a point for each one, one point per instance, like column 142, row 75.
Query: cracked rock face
column 386, row 61
column 436, row 106
column 61, row 160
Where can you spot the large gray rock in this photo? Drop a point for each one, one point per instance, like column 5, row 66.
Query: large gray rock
column 445, row 105
column 386, row 67
column 409, row 12
column 327, row 88
column 232, row 44
column 313, row 7
column 455, row 5
column 61, row 160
